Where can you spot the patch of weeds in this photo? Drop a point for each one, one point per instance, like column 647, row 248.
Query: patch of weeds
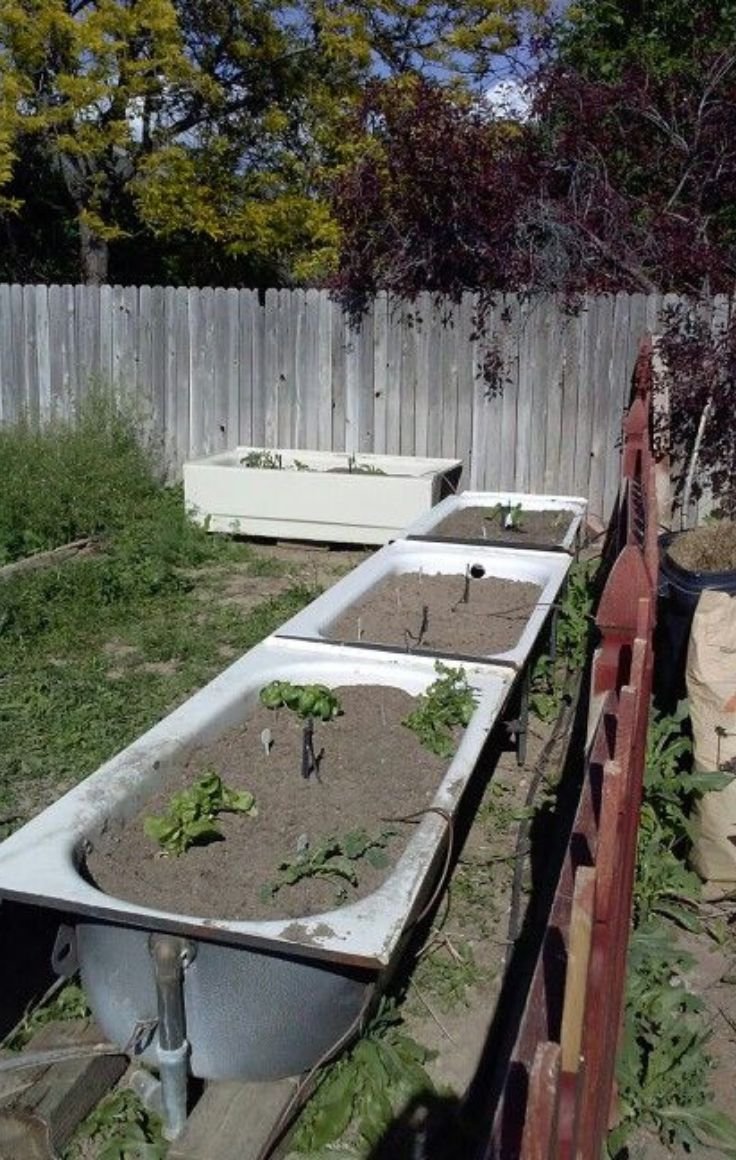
column 334, row 858
column 545, row 690
column 664, row 1065
column 358, row 1096
column 447, row 971
column 549, row 677
column 190, row 817
column 68, row 1004
column 575, row 616
column 448, row 703
column 499, row 810
column 664, row 884
column 120, row 1128
column 73, row 479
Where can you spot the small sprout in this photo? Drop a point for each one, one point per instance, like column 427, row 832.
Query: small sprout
column 266, row 741
column 512, row 519
column 262, row 459
column 300, row 465
column 190, row 818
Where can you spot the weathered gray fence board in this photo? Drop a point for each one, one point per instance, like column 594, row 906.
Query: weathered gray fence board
column 210, row 368
column 252, row 322
column 464, row 428
column 8, row 396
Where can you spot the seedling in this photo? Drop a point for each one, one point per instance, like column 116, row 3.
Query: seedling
column 265, row 459
column 447, row 703
column 512, row 519
column 308, row 702
column 190, row 818
column 508, row 514
column 300, row 465
column 304, row 700
column 333, row 858
column 362, row 469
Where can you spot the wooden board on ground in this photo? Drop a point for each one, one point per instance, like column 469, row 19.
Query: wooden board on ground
column 232, row 1121
column 40, row 1108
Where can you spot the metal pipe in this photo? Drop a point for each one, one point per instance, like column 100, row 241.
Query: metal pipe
column 170, row 958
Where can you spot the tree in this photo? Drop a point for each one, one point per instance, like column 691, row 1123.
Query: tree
column 216, row 119
column 622, row 178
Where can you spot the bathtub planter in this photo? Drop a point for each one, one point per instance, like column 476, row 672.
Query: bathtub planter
column 565, row 537
column 315, row 495
column 545, row 569
column 263, row 999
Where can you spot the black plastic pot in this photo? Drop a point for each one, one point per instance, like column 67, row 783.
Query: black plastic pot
column 679, row 592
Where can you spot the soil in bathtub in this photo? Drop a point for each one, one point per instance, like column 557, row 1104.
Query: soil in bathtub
column 461, row 615
column 484, row 523
column 373, row 768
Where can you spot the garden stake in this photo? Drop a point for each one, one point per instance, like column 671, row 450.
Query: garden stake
column 466, row 590
column 307, row 748
column 266, row 741
column 310, row 760
column 424, row 625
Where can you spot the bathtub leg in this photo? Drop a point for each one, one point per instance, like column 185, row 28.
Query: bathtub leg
column 171, row 956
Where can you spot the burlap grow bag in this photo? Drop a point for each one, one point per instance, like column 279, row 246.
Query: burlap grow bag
column 711, row 688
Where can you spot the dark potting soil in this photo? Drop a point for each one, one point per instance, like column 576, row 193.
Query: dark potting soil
column 392, row 613
column 711, row 548
column 472, row 523
column 373, row 768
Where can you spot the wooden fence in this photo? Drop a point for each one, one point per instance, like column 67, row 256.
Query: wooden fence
column 213, row 368
column 558, row 1094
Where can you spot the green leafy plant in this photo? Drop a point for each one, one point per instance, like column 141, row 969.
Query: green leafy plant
column 359, row 1096
column 334, row 858
column 545, row 689
column 512, row 519
column 190, row 818
column 664, row 1064
column 300, row 465
column 447, row 703
column 304, row 700
column 664, row 884
column 120, row 1128
column 575, row 615
column 508, row 515
column 263, row 459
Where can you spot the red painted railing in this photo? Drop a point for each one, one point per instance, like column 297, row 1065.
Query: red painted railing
column 558, row 1094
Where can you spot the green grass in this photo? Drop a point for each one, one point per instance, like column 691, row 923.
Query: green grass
column 97, row 649
column 70, row 480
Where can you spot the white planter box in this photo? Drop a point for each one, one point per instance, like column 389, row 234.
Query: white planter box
column 425, row 528
column 547, row 569
column 320, row 503
column 263, row 998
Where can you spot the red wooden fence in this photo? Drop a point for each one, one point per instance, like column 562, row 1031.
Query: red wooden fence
column 558, row 1096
